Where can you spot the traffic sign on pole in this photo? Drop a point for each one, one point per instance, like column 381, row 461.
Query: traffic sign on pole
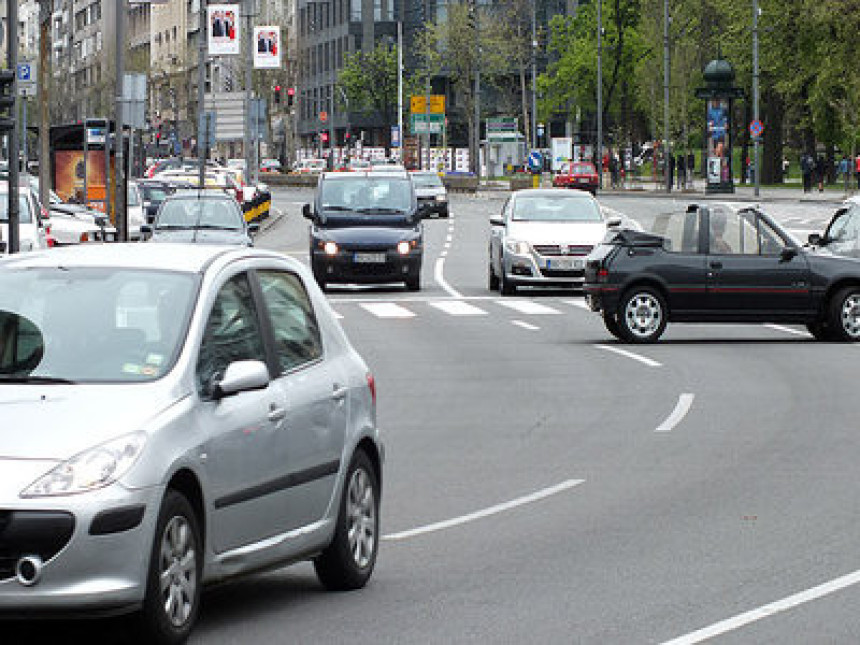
column 756, row 129
column 323, row 116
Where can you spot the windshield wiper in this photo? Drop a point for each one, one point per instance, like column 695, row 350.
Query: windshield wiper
column 381, row 210
column 40, row 380
column 216, row 227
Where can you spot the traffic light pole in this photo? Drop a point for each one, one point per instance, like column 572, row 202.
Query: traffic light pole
column 13, row 140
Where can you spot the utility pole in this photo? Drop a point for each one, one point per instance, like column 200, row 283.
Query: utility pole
column 249, row 77
column 476, row 162
column 599, row 163
column 400, row 84
column 121, row 194
column 44, row 117
column 202, row 126
column 666, row 151
column 534, row 75
column 13, row 140
column 756, row 12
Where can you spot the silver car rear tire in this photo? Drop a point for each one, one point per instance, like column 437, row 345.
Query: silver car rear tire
column 348, row 561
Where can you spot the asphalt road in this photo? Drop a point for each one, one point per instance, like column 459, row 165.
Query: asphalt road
column 547, row 484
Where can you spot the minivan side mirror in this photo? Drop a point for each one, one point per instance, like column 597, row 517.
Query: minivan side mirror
column 253, row 227
column 497, row 220
column 815, row 239
column 613, row 222
column 306, row 212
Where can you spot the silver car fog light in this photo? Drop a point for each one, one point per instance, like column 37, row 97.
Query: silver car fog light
column 28, row 570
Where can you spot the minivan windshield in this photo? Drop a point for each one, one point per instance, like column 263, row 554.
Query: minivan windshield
column 60, row 325
column 427, row 180
column 545, row 208
column 376, row 195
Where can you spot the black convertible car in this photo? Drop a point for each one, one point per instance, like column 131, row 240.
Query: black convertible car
column 719, row 263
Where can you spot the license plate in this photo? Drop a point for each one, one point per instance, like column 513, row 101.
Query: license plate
column 369, row 258
column 582, row 180
column 564, row 264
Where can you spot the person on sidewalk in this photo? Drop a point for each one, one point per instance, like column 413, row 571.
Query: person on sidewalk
column 806, row 168
column 691, row 167
column 681, row 165
column 857, row 170
column 671, row 181
column 820, row 170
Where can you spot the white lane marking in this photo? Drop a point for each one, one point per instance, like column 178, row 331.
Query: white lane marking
column 449, row 238
column 524, row 325
column 486, row 512
column 458, row 308
column 787, row 330
column 765, row 611
column 636, row 357
column 685, row 401
column 338, row 315
column 528, row 307
column 387, row 310
column 578, row 303
column 439, row 275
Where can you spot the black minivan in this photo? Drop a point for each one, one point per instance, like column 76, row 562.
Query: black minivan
column 366, row 229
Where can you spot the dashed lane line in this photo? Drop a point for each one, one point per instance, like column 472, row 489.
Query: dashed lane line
column 685, row 402
column 486, row 512
column 458, row 308
column 525, row 325
column 387, row 310
column 636, row 357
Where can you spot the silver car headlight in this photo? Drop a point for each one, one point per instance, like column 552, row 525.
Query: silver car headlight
column 441, row 198
column 89, row 470
column 516, row 247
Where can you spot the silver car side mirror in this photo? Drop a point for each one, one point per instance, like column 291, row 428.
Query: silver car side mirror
column 613, row 222
column 241, row 376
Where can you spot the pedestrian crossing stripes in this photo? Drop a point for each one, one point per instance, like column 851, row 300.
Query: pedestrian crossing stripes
column 456, row 307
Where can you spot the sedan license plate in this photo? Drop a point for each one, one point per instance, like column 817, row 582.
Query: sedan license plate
column 369, row 258
column 564, row 264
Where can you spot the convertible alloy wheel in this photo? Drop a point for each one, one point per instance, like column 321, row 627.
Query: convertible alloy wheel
column 845, row 315
column 642, row 316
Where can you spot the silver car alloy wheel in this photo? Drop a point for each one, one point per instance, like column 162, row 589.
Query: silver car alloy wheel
column 361, row 518
column 851, row 316
column 178, row 571
column 643, row 314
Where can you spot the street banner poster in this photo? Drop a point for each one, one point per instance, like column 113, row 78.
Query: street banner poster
column 267, row 47
column 223, row 29
column 718, row 141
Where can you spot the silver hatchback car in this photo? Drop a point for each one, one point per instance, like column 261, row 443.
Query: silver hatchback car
column 175, row 415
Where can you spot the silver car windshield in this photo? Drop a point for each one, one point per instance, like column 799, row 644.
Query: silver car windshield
column 92, row 324
column 386, row 194
column 556, row 209
column 429, row 180
column 199, row 213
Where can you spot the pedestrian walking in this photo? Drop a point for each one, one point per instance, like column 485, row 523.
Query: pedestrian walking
column 671, row 181
column 843, row 169
column 807, row 167
column 681, row 166
column 691, row 167
column 820, row 171
column 857, row 170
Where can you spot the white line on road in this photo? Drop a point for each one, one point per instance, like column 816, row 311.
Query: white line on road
column 636, row 357
column 440, row 279
column 387, row 310
column 486, row 512
column 528, row 307
column 678, row 414
column 736, row 622
column 458, row 308
column 525, row 325
column 787, row 330
column 578, row 303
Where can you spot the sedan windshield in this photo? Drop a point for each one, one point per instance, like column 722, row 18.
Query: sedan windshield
column 379, row 195
column 556, row 209
column 199, row 213
column 60, row 325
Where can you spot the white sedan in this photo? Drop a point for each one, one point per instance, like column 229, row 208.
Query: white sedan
column 542, row 238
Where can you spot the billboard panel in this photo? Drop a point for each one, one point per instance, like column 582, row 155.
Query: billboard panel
column 223, row 29
column 267, row 47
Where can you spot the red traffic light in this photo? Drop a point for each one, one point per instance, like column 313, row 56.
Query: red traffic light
column 291, row 91
column 324, row 137
column 277, row 88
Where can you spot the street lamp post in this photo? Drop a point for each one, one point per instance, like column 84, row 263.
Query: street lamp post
column 599, row 163
column 534, row 141
column 756, row 12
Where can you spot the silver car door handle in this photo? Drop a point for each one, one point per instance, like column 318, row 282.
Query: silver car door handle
column 276, row 413
column 339, row 393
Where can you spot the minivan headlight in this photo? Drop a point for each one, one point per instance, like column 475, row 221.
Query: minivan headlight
column 517, row 247
column 89, row 470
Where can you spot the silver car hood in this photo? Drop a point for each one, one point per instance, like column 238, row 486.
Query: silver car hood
column 590, row 233
column 56, row 422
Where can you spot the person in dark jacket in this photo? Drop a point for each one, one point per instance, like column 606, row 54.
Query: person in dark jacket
column 681, row 165
column 807, row 166
column 820, row 170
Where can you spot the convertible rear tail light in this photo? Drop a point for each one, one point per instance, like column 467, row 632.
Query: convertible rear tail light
column 371, row 385
column 603, row 273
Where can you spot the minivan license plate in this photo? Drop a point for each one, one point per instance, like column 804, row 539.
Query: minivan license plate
column 369, row 258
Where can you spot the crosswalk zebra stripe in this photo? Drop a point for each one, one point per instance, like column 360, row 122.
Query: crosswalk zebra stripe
column 528, row 307
column 387, row 310
column 458, row 308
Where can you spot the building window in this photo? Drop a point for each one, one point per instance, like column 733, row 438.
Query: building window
column 355, row 10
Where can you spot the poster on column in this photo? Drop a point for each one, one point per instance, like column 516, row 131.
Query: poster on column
column 267, row 47
column 223, row 29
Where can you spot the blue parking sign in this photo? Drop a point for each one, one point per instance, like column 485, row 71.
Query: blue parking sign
column 24, row 72
column 535, row 161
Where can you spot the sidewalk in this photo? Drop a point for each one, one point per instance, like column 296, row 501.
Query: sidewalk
column 646, row 188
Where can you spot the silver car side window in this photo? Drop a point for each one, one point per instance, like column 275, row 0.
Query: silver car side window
column 297, row 335
column 232, row 332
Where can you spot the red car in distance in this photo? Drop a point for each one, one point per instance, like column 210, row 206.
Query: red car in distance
column 577, row 174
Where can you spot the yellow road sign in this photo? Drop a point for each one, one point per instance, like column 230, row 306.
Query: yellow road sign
column 433, row 104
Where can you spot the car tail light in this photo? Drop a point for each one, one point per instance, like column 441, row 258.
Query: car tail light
column 371, row 385
column 603, row 274
column 85, row 237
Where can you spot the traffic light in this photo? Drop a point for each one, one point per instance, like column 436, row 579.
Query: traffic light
column 7, row 100
column 291, row 92
column 347, row 136
column 324, row 137
column 277, row 94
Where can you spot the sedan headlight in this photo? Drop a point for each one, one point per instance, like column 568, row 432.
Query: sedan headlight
column 92, row 469
column 404, row 247
column 330, row 248
column 516, row 247
column 441, row 198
